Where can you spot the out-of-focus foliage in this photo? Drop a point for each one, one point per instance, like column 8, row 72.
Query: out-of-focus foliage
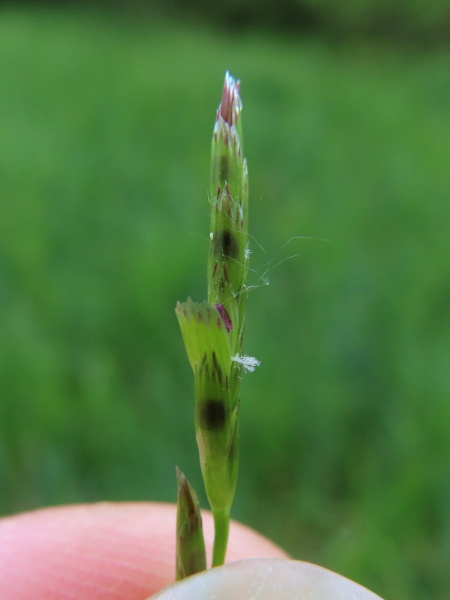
column 105, row 129
column 399, row 20
column 412, row 21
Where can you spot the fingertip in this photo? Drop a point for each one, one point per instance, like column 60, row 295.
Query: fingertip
column 102, row 551
column 105, row 551
column 267, row 579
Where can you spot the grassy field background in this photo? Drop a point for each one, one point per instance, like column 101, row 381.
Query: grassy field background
column 105, row 129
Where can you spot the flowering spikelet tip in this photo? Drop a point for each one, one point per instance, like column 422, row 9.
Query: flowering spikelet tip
column 231, row 105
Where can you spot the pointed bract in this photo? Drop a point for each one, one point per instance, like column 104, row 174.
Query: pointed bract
column 190, row 544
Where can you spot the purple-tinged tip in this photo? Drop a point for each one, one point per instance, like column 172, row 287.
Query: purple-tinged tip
column 225, row 316
column 231, row 105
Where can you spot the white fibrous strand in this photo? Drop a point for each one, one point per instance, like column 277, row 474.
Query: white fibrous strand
column 248, row 362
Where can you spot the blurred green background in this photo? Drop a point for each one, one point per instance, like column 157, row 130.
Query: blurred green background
column 105, row 126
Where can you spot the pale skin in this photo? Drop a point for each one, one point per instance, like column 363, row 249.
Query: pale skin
column 126, row 551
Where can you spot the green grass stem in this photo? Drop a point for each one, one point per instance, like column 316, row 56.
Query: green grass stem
column 221, row 532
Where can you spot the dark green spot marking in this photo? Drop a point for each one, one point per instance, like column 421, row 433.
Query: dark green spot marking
column 212, row 415
column 226, row 243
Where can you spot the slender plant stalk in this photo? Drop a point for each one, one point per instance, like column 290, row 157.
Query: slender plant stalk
column 213, row 330
column 221, row 531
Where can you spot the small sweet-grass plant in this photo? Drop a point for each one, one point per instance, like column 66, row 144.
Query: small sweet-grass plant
column 213, row 333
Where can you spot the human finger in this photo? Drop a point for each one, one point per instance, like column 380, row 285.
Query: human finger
column 105, row 551
column 266, row 579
